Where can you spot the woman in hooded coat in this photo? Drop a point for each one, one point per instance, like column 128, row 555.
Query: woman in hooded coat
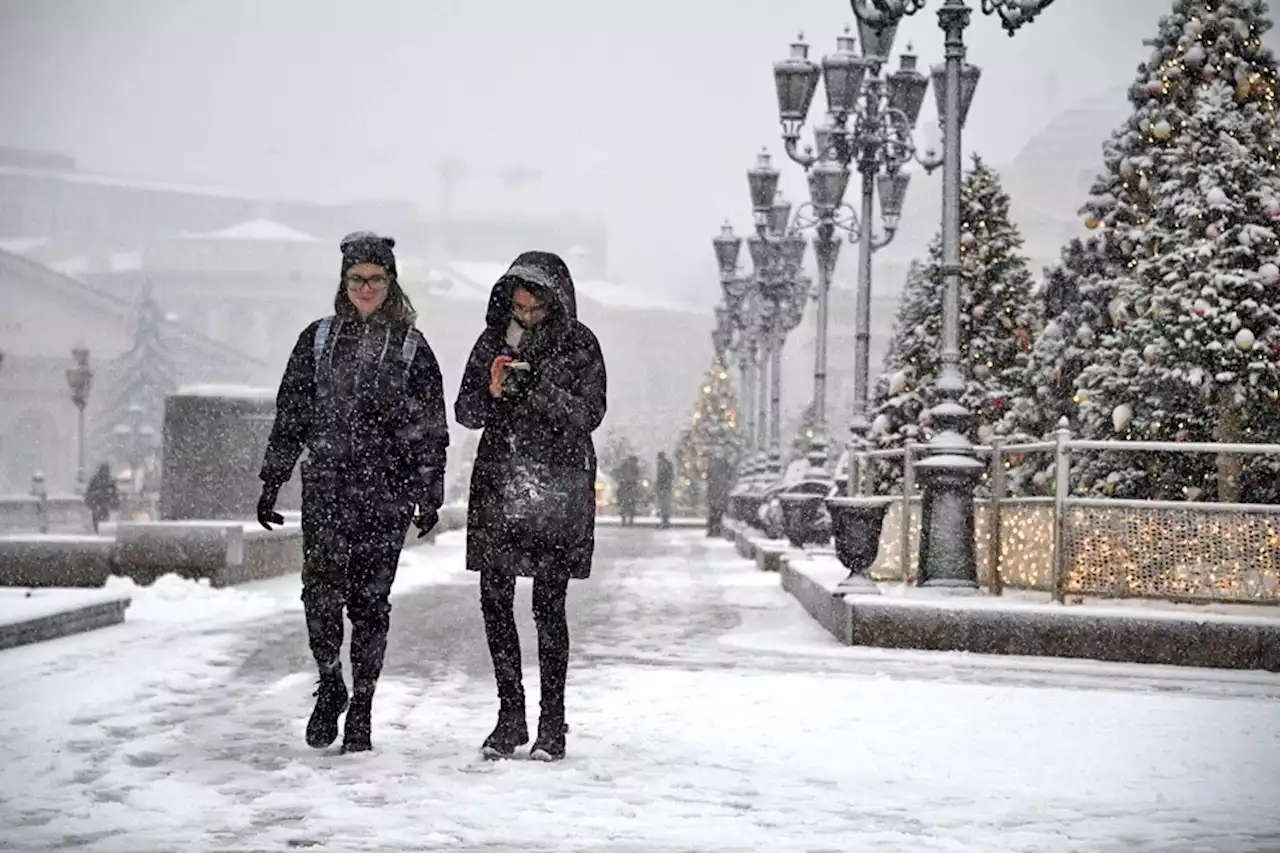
column 535, row 384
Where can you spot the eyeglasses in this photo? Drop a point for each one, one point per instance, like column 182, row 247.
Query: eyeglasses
column 373, row 282
column 536, row 309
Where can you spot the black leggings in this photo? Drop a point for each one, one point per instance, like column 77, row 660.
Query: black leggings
column 497, row 604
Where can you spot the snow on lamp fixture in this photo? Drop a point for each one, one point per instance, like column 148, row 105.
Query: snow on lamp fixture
column 779, row 214
column 828, row 181
column 793, row 246
column 727, row 247
column 758, row 248
column 843, row 73
column 907, row 88
column 877, row 31
column 762, row 180
column 969, row 76
column 796, row 81
column 892, row 189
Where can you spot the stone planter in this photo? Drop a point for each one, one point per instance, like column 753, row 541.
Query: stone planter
column 804, row 517
column 855, row 525
column 749, row 509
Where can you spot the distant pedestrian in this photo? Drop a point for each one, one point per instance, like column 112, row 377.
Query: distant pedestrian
column 535, row 383
column 362, row 393
column 627, row 478
column 719, row 484
column 101, row 495
column 663, row 485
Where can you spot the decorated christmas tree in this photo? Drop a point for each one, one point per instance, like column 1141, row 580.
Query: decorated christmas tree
column 1190, row 200
column 997, row 320
column 132, row 415
column 713, row 433
column 1076, row 298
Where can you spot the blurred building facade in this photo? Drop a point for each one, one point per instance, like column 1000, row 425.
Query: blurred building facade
column 244, row 275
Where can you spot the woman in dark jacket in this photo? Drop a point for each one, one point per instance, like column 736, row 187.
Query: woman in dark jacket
column 102, row 496
column 362, row 393
column 535, row 383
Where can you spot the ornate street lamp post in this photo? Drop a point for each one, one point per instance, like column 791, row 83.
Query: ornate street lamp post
column 869, row 126
column 763, row 309
column 740, row 307
column 948, row 475
column 80, row 379
column 777, row 251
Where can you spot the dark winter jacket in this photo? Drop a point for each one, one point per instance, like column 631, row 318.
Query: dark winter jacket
column 627, row 480
column 666, row 476
column 360, row 415
column 101, row 495
column 548, row 423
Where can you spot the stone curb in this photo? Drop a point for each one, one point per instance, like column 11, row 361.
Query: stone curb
column 75, row 620
column 1066, row 633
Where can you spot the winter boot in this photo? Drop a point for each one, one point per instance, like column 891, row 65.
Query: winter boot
column 511, row 731
column 331, row 701
column 356, row 735
column 549, row 745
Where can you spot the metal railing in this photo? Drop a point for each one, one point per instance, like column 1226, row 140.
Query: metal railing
column 1095, row 546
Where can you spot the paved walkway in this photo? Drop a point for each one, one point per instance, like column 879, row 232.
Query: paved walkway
column 708, row 713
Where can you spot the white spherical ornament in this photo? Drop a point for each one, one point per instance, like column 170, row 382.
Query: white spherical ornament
column 1162, row 129
column 1269, row 273
column 1214, row 231
column 1216, row 197
column 968, row 240
column 979, row 312
column 1150, row 353
column 1244, row 340
column 1121, row 417
column 1195, row 56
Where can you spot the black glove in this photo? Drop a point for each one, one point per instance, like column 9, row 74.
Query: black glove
column 267, row 514
column 426, row 520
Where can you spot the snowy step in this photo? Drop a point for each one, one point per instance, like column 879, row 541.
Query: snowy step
column 36, row 615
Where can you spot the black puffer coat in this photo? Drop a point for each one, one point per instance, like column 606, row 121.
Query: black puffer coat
column 549, row 424
column 361, row 416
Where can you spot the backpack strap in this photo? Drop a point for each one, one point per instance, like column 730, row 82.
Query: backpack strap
column 409, row 350
column 322, row 338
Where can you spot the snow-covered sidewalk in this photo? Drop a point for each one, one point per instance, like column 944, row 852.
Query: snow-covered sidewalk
column 708, row 713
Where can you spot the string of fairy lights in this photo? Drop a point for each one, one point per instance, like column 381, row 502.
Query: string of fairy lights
column 1158, row 552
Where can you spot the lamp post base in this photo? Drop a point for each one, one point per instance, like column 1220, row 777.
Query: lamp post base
column 819, row 458
column 947, row 555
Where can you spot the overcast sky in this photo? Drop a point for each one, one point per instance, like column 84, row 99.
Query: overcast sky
column 647, row 113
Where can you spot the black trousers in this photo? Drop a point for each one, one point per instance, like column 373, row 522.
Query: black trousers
column 497, row 605
column 351, row 542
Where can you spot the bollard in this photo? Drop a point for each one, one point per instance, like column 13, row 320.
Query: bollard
column 41, row 493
